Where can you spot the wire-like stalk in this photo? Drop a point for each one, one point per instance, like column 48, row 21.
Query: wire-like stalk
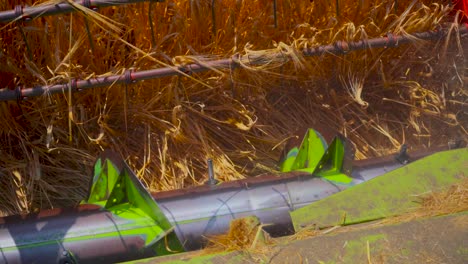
column 213, row 18
column 90, row 37
column 28, row 48
column 274, row 12
column 70, row 104
column 150, row 18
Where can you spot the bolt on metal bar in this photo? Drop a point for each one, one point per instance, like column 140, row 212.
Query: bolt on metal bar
column 211, row 176
column 32, row 12
column 340, row 47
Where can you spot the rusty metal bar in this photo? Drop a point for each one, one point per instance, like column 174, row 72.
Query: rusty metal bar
column 28, row 13
column 340, row 47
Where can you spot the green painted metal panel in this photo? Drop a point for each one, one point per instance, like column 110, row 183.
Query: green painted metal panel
column 308, row 155
column 315, row 157
column 105, row 176
column 386, row 195
column 222, row 257
column 330, row 166
column 117, row 189
column 288, row 162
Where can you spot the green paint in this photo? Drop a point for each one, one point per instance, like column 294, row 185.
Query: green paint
column 138, row 224
column 315, row 157
column 386, row 195
column 308, row 155
column 330, row 166
column 120, row 192
column 97, row 170
column 105, row 176
column 288, row 163
column 222, row 257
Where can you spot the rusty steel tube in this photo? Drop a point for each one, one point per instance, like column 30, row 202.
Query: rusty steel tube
column 129, row 77
column 28, row 13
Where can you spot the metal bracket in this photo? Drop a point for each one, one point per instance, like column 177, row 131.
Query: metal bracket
column 308, row 155
column 332, row 162
column 19, row 13
column 211, row 177
column 402, row 156
column 336, row 164
column 88, row 4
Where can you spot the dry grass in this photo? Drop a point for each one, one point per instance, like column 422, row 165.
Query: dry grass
column 167, row 128
column 243, row 235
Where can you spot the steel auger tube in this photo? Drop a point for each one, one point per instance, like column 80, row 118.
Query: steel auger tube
column 202, row 211
column 85, row 234
column 341, row 47
column 28, row 13
column 94, row 233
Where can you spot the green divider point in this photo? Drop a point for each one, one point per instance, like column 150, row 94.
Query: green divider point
column 307, row 155
column 117, row 189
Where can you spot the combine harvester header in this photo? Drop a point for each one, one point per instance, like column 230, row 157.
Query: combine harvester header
column 121, row 221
